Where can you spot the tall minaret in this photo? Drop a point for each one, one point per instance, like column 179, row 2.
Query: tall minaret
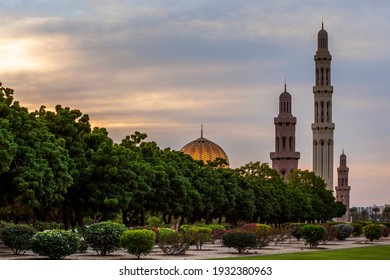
column 285, row 158
column 342, row 188
column 323, row 127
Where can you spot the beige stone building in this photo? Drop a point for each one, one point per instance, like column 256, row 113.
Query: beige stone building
column 342, row 188
column 323, row 127
column 285, row 158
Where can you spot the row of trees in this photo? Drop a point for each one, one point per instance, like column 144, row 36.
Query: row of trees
column 55, row 167
column 375, row 215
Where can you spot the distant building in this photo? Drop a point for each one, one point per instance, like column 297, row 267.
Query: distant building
column 285, row 158
column 368, row 213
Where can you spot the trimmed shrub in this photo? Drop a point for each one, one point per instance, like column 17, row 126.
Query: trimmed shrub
column 215, row 226
column 295, row 230
column 217, row 234
column 83, row 247
column 279, row 234
column 357, row 229
column 217, row 231
column 373, row 231
column 4, row 224
column 330, row 233
column 343, row 231
column 240, row 240
column 365, row 223
column 103, row 237
column 18, row 238
column 55, row 244
column 386, row 224
column 197, row 235
column 261, row 231
column 138, row 242
column 386, row 231
column 165, row 231
column 252, row 227
column 173, row 242
column 313, row 234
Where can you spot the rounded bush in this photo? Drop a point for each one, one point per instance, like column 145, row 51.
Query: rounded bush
column 165, row 231
column 55, row 244
column 217, row 231
column 215, row 226
column 173, row 242
column 357, row 229
column 138, row 242
column 239, row 240
column 330, row 232
column 217, row 234
column 373, row 231
column 103, row 237
column 18, row 237
column 197, row 235
column 263, row 234
column 295, row 230
column 313, row 234
column 261, row 231
column 386, row 231
column 343, row 231
column 162, row 232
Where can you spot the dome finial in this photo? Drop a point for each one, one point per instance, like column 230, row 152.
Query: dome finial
column 322, row 23
column 201, row 131
column 285, row 84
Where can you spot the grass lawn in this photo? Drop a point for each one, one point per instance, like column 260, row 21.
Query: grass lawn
column 362, row 253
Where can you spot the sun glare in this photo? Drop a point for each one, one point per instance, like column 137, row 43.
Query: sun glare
column 18, row 55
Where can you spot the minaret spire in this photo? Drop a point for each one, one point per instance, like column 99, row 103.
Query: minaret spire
column 285, row 84
column 285, row 158
column 343, row 189
column 323, row 126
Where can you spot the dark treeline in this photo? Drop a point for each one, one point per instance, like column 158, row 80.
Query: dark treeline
column 55, row 167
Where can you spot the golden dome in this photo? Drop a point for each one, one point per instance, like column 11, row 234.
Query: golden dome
column 204, row 149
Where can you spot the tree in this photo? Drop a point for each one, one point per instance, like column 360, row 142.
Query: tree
column 267, row 187
column 386, row 213
column 375, row 209
column 323, row 203
column 73, row 127
column 36, row 165
column 354, row 214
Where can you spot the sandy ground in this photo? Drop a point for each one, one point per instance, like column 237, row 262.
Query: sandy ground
column 208, row 251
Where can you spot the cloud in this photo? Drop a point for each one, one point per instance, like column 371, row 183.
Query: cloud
column 165, row 67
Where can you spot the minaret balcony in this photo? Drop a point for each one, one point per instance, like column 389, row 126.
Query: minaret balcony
column 285, row 155
column 322, row 126
column 322, row 89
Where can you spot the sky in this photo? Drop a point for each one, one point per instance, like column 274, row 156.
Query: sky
column 166, row 67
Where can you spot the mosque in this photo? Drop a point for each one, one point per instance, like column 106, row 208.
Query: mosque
column 285, row 158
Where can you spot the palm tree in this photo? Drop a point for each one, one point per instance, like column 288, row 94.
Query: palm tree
column 386, row 214
column 375, row 209
column 353, row 213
